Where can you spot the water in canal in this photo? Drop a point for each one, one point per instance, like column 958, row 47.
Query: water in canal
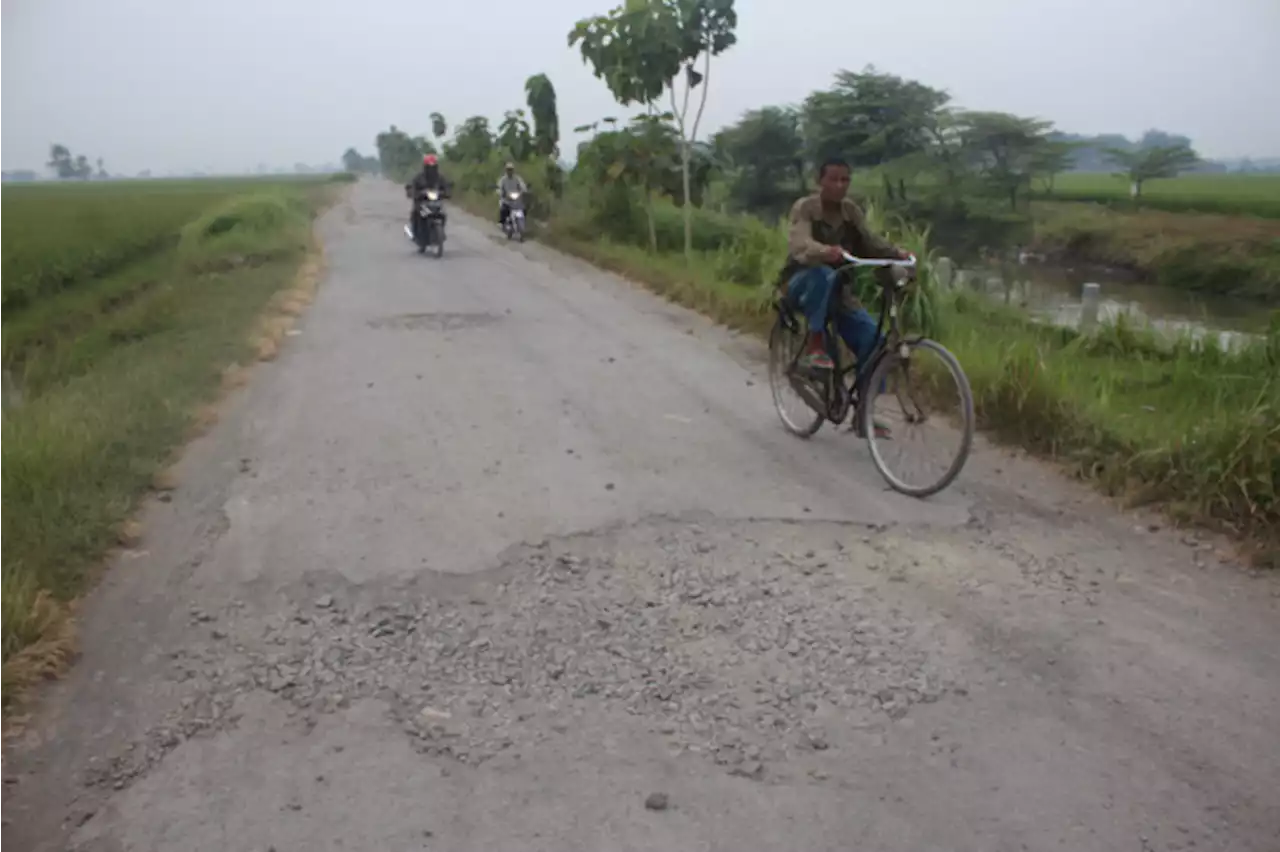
column 1053, row 293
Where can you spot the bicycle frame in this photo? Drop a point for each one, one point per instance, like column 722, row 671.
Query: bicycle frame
column 838, row 395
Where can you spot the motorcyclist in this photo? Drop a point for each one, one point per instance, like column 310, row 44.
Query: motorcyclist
column 429, row 178
column 509, row 182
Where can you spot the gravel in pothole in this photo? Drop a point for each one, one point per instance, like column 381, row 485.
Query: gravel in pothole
column 737, row 655
column 740, row 658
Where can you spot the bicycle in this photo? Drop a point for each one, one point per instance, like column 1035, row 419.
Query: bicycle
column 831, row 394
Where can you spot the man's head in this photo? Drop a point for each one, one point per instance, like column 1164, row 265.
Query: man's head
column 428, row 162
column 833, row 180
column 511, row 169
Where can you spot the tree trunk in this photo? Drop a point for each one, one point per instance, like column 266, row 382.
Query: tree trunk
column 648, row 212
column 688, row 210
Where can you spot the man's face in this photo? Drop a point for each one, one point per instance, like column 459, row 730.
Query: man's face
column 510, row 172
column 833, row 185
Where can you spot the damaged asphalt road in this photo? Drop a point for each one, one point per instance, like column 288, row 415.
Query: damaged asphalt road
column 505, row 554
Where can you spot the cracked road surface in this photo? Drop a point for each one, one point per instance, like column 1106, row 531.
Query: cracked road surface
column 503, row 553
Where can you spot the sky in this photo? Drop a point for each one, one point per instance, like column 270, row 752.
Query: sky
column 178, row 85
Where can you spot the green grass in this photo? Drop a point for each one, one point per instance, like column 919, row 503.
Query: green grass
column 112, row 372
column 1195, row 430
column 1229, row 194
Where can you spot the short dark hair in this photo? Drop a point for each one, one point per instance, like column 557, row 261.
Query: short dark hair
column 831, row 163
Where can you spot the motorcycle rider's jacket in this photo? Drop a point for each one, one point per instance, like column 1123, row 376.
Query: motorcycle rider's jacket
column 508, row 184
column 429, row 178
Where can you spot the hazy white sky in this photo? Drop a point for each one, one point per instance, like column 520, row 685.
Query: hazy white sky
column 225, row 85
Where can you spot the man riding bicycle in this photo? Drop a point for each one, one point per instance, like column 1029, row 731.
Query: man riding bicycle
column 824, row 226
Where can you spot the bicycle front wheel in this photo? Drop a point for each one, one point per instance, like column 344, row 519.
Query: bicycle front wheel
column 918, row 409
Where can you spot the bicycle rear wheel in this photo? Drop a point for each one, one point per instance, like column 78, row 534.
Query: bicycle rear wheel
column 785, row 342
column 923, row 399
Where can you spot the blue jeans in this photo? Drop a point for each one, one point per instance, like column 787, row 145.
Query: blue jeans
column 811, row 290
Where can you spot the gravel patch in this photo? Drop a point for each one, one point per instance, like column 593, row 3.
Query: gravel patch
column 740, row 656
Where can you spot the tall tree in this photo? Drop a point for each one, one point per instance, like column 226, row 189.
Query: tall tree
column 514, row 135
column 646, row 48
column 1003, row 150
column 61, row 162
column 423, row 145
column 472, row 142
column 353, row 161
column 870, row 118
column 398, row 154
column 1051, row 159
column 766, row 151
column 1149, row 163
column 647, row 154
column 540, row 95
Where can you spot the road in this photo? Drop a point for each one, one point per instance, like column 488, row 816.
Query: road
column 503, row 553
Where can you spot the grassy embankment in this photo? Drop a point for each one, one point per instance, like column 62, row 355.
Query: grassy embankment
column 1194, row 430
column 1213, row 234
column 128, row 307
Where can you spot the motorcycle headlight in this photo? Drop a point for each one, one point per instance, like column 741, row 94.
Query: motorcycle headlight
column 513, row 196
column 433, row 196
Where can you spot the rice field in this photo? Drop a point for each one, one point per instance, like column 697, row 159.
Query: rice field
column 1231, row 194
column 126, row 307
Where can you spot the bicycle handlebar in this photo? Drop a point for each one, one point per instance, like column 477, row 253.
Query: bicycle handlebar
column 906, row 263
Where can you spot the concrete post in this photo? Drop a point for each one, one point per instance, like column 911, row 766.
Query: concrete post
column 1090, row 300
column 944, row 273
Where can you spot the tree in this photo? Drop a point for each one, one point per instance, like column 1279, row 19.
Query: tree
column 642, row 48
column 766, row 150
column 61, row 162
column 439, row 127
column 869, row 118
column 102, row 170
column 638, row 157
column 1051, row 159
column 352, row 161
column 1003, row 149
column 1160, row 139
column 398, row 154
column 472, row 142
column 514, row 135
column 423, row 145
column 1147, row 164
column 83, row 170
column 540, row 96
column 648, row 152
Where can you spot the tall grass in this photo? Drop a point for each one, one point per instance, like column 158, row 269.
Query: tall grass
column 112, row 373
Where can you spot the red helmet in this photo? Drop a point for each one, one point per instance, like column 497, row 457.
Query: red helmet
column 429, row 160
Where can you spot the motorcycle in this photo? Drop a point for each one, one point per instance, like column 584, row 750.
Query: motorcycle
column 514, row 224
column 428, row 222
